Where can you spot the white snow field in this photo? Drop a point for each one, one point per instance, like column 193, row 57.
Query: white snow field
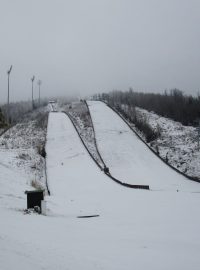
column 136, row 229
column 128, row 158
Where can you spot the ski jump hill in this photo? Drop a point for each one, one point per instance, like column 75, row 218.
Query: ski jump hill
column 127, row 157
column 131, row 228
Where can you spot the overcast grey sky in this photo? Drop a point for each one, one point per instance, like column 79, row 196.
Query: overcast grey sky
column 89, row 46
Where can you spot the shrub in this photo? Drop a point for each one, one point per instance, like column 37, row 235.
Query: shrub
column 130, row 114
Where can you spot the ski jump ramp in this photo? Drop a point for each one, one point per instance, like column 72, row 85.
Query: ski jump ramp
column 73, row 177
column 127, row 157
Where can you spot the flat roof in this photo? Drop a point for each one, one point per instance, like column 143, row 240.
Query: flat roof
column 34, row 191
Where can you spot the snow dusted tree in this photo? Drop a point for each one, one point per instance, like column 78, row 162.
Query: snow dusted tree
column 173, row 104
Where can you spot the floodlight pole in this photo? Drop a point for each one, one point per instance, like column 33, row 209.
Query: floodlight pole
column 39, row 84
column 8, row 105
column 32, row 80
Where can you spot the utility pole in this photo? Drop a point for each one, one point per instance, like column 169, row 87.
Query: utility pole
column 32, row 80
column 39, row 84
column 8, row 105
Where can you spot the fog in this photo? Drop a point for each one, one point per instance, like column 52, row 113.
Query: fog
column 87, row 46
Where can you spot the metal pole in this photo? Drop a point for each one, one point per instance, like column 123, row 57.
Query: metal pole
column 32, row 79
column 32, row 94
column 39, row 94
column 39, row 84
column 8, row 105
column 8, row 111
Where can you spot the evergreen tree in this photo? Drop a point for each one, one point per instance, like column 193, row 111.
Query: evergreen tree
column 2, row 120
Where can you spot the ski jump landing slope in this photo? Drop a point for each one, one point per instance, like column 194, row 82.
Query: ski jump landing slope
column 127, row 157
column 74, row 179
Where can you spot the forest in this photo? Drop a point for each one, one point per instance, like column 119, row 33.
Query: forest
column 172, row 104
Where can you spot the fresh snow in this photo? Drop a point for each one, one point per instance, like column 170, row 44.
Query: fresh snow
column 128, row 158
column 177, row 142
column 19, row 147
column 136, row 229
column 82, row 120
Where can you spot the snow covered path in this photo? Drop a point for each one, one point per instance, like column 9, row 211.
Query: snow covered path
column 128, row 159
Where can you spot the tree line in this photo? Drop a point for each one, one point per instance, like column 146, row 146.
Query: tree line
column 18, row 110
column 173, row 104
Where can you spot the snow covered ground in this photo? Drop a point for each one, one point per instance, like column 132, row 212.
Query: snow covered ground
column 1, row 130
column 127, row 157
column 177, row 142
column 20, row 144
column 136, row 229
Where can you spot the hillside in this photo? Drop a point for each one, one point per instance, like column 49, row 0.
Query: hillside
column 147, row 229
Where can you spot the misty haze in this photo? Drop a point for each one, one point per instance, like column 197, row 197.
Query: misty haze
column 99, row 134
